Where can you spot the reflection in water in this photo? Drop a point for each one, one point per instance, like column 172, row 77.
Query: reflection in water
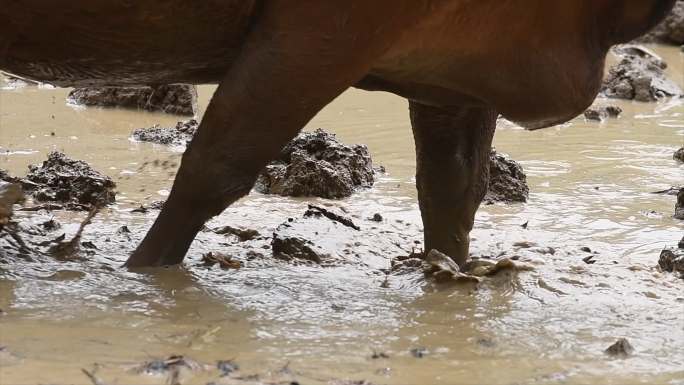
column 591, row 186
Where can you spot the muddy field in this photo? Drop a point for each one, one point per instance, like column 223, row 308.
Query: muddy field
column 285, row 290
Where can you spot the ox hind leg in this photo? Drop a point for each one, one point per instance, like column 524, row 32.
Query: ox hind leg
column 297, row 58
column 452, row 173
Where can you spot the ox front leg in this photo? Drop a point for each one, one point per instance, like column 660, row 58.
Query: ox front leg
column 289, row 68
column 452, row 154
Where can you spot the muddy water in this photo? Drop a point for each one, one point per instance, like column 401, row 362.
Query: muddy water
column 590, row 185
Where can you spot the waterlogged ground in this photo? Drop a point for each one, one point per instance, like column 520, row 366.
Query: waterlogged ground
column 590, row 185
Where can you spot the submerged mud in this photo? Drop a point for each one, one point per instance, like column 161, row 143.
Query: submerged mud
column 179, row 99
column 639, row 75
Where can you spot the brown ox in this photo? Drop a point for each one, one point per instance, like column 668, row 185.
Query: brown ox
column 460, row 63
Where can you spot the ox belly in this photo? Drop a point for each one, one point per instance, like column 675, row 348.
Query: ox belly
column 109, row 42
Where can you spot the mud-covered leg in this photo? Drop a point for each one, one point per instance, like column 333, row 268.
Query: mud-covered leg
column 452, row 154
column 287, row 71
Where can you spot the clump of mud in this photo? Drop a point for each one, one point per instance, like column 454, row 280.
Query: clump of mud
column 72, row 183
column 671, row 30
column 679, row 206
column 672, row 259
column 179, row 99
column 602, row 113
column 679, row 155
column 640, row 75
column 317, row 164
column 179, row 135
column 621, row 348
column 507, row 181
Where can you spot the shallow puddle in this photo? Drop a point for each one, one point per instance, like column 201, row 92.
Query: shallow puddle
column 591, row 186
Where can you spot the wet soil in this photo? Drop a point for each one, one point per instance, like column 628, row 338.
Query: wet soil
column 178, row 99
column 639, row 75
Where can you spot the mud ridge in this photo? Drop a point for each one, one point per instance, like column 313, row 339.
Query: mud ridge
column 179, row 99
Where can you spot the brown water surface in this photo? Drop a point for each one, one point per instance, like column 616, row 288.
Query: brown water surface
column 590, row 184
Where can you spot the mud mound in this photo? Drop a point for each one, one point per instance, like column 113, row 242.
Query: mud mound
column 679, row 206
column 70, row 182
column 180, row 135
column 672, row 259
column 180, row 99
column 317, row 164
column 507, row 181
column 670, row 31
column 639, row 75
column 679, row 155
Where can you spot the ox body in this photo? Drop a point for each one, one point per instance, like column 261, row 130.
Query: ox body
column 460, row 63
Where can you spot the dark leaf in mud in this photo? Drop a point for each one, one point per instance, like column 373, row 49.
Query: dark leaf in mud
column 92, row 377
column 419, row 352
column 242, row 234
column 621, row 348
column 223, row 260
column 140, row 210
column 589, row 260
column 164, row 366
column 377, row 217
column 227, row 367
column 69, row 250
column 314, row 211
